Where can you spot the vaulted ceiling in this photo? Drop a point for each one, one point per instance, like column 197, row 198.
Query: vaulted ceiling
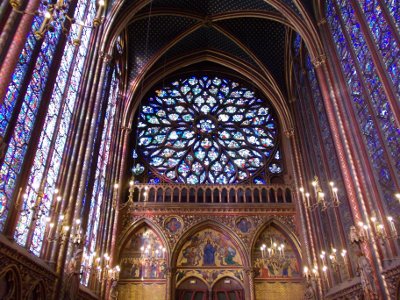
column 253, row 32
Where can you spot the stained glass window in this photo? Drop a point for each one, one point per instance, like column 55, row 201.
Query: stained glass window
column 26, row 118
column 383, row 36
column 8, row 176
column 208, row 130
column 362, row 79
column 47, row 161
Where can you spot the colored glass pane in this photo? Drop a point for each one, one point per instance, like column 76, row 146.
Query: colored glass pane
column 20, row 138
column 378, row 99
column 393, row 7
column 207, row 130
column 384, row 38
column 47, row 161
column 63, row 100
column 363, row 113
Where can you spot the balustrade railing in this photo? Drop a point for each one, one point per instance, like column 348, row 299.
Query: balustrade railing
column 173, row 193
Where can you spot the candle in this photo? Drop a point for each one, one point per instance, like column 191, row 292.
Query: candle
column 314, row 184
column 308, row 199
column 305, row 271
column 51, row 225
column 380, row 229
column 77, row 40
column 322, row 256
column 393, row 230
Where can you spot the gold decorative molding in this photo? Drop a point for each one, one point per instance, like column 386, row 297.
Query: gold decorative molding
column 126, row 128
column 320, row 60
column 190, row 218
column 321, row 22
column 105, row 57
column 289, row 133
column 33, row 274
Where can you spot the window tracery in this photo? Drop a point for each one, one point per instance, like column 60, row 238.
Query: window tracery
column 365, row 88
column 208, row 130
column 38, row 196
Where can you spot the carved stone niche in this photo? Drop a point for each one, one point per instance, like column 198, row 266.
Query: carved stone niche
column 22, row 275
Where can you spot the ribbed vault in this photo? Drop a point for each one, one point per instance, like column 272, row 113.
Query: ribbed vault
column 254, row 33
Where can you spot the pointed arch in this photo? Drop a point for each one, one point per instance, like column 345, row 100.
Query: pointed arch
column 37, row 292
column 11, row 277
column 282, row 228
column 182, row 280
column 221, row 228
column 230, row 278
column 277, row 99
column 136, row 226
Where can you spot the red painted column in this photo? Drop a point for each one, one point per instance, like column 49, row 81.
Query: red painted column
column 15, row 48
column 350, row 181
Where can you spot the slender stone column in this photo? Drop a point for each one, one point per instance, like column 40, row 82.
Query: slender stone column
column 16, row 46
column 338, row 137
column 169, row 278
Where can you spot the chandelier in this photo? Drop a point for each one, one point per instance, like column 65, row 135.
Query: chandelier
column 57, row 13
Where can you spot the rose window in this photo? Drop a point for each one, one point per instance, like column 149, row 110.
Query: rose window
column 208, row 130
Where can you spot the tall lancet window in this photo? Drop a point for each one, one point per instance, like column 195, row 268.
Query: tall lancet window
column 209, row 130
column 102, row 170
column 358, row 33
column 38, row 194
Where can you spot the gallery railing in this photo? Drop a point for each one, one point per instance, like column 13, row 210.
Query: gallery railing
column 169, row 193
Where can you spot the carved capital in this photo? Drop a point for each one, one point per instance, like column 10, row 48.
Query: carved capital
column 321, row 22
column 289, row 133
column 105, row 57
column 127, row 129
column 320, row 60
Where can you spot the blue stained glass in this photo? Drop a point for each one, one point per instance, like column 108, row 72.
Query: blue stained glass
column 214, row 135
column 375, row 88
column 394, row 10
column 384, row 39
column 7, row 107
column 53, row 137
column 363, row 114
column 20, row 138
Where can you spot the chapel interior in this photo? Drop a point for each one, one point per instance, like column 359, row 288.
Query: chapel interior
column 199, row 149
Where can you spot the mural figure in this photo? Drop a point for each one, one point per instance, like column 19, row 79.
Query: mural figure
column 230, row 256
column 143, row 256
column 209, row 254
column 244, row 225
column 281, row 264
column 173, row 225
column 209, row 248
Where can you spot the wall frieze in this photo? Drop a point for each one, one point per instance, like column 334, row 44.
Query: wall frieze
column 191, row 218
column 30, row 272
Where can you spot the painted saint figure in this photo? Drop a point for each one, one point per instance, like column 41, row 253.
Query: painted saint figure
column 209, row 254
